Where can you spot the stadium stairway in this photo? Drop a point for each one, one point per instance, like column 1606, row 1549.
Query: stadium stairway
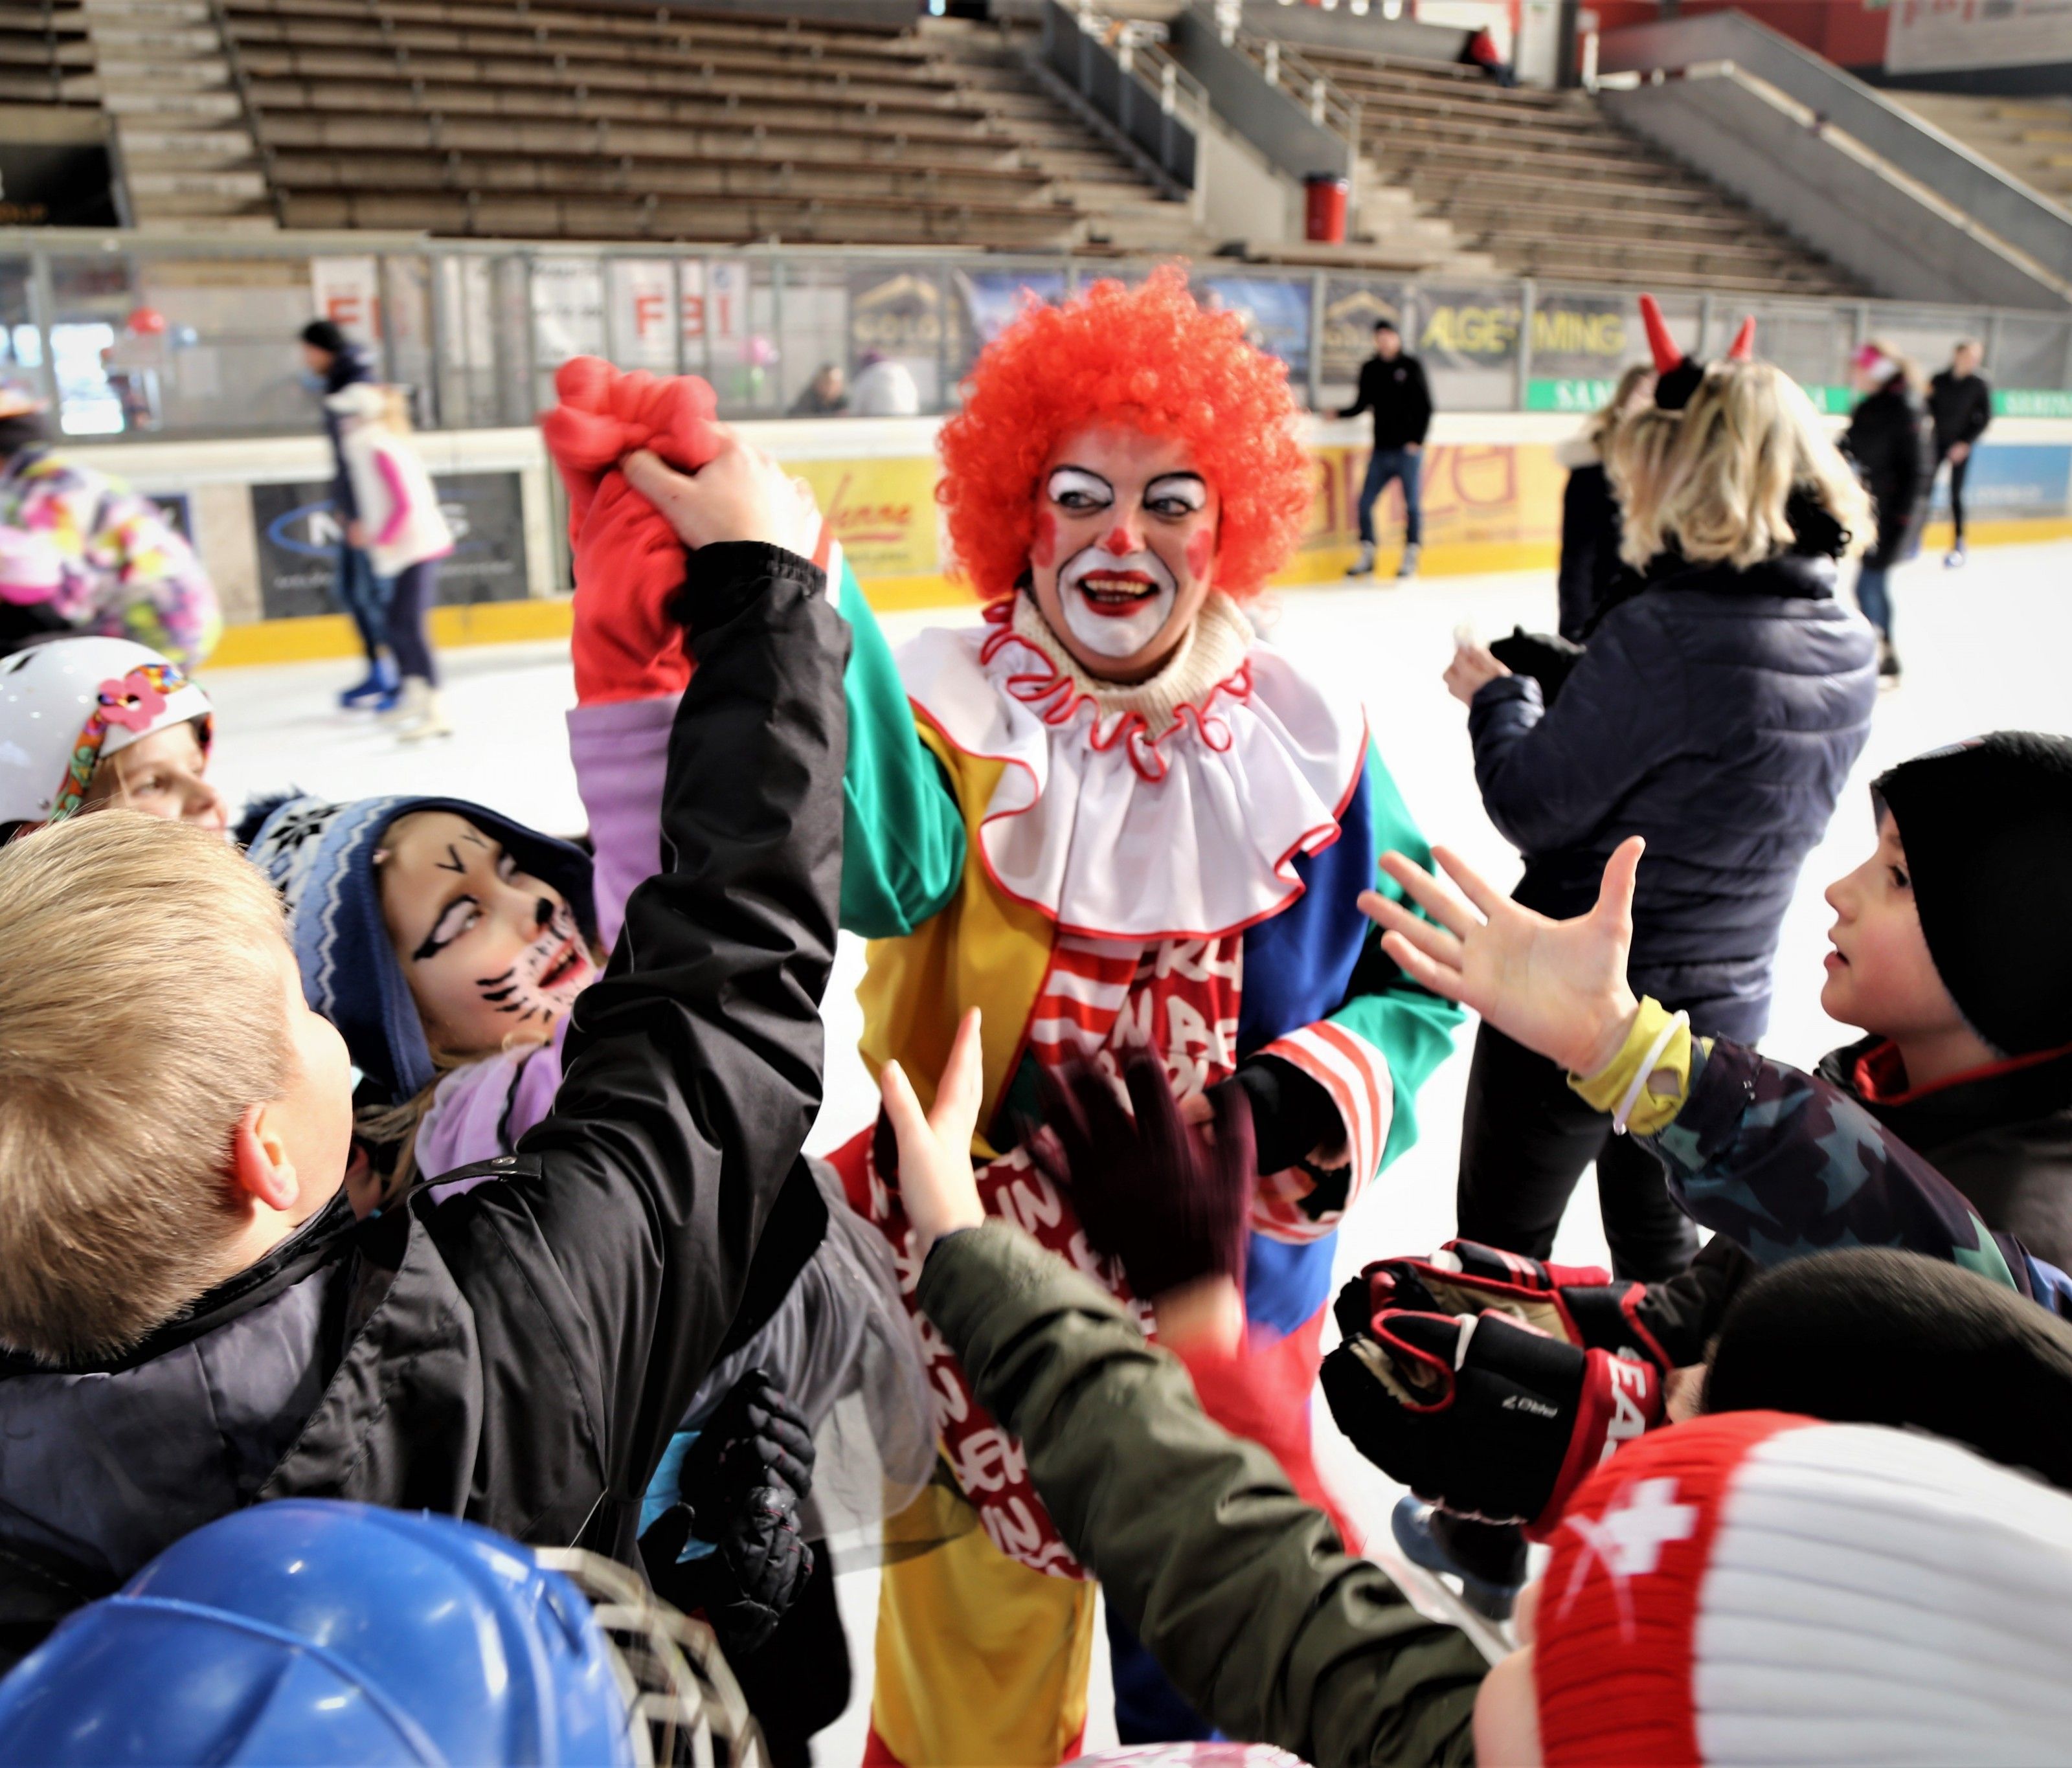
column 161, row 73
column 1548, row 187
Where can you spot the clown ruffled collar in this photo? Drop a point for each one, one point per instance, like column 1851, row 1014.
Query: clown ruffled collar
column 1168, row 808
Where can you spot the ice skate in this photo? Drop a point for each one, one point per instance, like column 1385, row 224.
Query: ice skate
column 432, row 720
column 1363, row 566
column 1887, row 668
column 1488, row 1558
column 409, row 706
column 378, row 690
column 1954, row 559
column 1406, row 565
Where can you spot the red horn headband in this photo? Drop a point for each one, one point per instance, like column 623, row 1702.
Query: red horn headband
column 1742, row 349
column 1666, row 354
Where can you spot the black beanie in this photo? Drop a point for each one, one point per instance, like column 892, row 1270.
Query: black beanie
column 1988, row 828
column 323, row 334
column 1874, row 1336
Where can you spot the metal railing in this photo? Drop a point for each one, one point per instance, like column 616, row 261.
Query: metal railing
column 478, row 327
column 1286, row 69
column 1131, row 84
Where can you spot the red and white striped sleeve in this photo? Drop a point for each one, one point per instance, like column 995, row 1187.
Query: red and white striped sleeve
column 1356, row 1074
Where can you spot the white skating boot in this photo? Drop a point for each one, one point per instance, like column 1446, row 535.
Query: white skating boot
column 1363, row 566
column 1954, row 557
column 1408, row 566
column 432, row 721
column 409, row 706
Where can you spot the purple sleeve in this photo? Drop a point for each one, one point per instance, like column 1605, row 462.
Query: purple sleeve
column 399, row 498
column 621, row 750
column 479, row 1112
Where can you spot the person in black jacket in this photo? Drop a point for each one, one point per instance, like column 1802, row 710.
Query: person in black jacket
column 1590, row 563
column 1960, row 400
column 334, row 363
column 194, row 1322
column 1892, row 442
column 1717, row 713
column 1393, row 386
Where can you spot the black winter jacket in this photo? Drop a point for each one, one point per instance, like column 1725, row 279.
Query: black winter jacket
column 1717, row 713
column 520, row 1355
column 1892, row 442
column 1591, row 531
column 1962, row 407
column 348, row 368
column 1399, row 398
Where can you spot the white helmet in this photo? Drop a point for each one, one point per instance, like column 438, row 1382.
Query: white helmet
column 65, row 704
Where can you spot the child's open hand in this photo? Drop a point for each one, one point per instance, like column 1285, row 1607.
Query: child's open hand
column 1557, row 987
column 935, row 1180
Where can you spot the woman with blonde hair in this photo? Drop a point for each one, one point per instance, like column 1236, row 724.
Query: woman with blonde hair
column 1717, row 712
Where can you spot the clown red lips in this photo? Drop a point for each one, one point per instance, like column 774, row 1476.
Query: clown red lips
column 1125, row 548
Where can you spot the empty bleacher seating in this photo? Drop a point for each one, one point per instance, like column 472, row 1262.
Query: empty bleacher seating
column 1548, row 187
column 599, row 119
column 45, row 56
column 2027, row 138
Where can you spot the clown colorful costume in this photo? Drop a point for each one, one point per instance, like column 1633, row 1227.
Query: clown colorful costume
column 1172, row 863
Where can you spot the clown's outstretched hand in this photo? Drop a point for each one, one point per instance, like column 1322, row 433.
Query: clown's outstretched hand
column 649, row 471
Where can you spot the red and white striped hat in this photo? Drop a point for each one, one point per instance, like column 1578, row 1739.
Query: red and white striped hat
column 1755, row 1588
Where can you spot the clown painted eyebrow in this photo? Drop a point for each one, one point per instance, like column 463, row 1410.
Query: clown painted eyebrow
column 1190, row 491
column 1069, row 482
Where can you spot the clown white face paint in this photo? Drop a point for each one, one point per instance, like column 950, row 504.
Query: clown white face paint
column 493, row 955
column 1125, row 548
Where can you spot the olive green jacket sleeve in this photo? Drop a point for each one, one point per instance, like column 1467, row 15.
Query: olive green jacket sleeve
column 1240, row 1590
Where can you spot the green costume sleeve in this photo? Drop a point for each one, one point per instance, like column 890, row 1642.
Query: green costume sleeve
column 1410, row 1026
column 1241, row 1591
column 902, row 839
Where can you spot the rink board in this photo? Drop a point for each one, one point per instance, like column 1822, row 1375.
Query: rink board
column 259, row 513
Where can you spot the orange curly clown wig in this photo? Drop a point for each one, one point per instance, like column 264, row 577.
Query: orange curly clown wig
column 1149, row 358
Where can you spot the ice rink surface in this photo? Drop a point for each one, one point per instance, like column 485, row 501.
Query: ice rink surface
column 1986, row 647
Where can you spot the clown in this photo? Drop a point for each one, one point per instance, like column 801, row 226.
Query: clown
column 1150, row 833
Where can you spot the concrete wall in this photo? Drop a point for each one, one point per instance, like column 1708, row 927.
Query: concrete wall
column 1243, row 197
column 1727, row 129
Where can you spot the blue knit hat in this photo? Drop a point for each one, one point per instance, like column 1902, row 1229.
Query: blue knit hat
column 320, row 856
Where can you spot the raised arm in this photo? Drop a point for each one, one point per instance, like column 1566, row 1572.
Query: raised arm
column 693, row 1066
column 1242, row 1592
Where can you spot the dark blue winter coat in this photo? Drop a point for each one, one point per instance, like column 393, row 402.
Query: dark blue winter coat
column 1717, row 713
column 348, row 367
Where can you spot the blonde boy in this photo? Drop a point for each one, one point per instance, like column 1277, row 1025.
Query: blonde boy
column 190, row 1317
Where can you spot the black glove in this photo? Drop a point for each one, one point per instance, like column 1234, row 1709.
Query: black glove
column 742, row 1483
column 1482, row 1415
column 1582, row 1304
column 1154, row 1191
column 1549, row 660
column 1292, row 1112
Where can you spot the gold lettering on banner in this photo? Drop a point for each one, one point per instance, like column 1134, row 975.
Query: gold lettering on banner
column 1562, row 332
column 1471, row 331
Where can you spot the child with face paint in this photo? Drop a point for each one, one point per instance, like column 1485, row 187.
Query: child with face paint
column 91, row 724
column 449, row 945
column 1161, row 828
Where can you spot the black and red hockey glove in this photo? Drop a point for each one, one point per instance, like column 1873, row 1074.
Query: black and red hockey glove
column 1482, row 1415
column 1172, row 1200
column 1583, row 1304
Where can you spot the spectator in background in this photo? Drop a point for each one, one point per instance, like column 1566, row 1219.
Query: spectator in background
column 1393, row 386
column 80, row 553
column 405, row 535
column 1481, row 51
column 1717, row 713
column 884, row 388
column 334, row 363
column 1590, row 513
column 1960, row 400
column 826, row 395
column 1892, row 441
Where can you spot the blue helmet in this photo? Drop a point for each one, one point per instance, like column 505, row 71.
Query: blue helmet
column 306, row 1631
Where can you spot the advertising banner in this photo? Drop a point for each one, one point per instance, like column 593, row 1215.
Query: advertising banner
column 347, row 292
column 298, row 533
column 1351, row 307
column 901, row 314
column 883, row 512
column 1935, row 36
column 56, row 184
column 1468, row 328
column 1275, row 314
column 568, row 309
column 1583, row 337
column 991, row 299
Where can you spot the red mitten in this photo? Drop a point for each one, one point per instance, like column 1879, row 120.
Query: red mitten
column 628, row 559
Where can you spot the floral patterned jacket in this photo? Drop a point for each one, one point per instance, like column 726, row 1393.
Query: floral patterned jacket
column 102, row 557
